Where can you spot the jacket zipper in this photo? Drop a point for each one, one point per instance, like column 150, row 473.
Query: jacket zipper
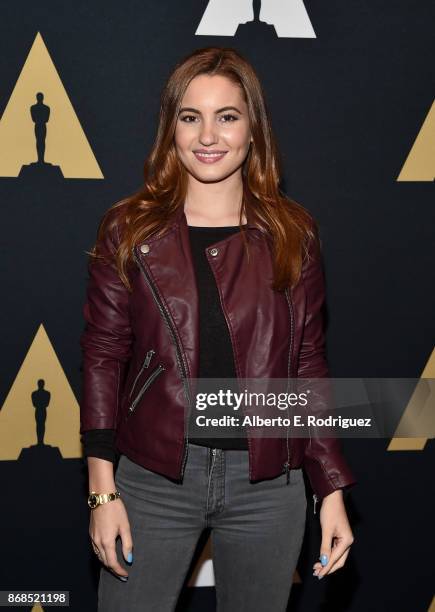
column 144, row 387
column 167, row 318
column 289, row 373
column 146, row 363
column 315, row 500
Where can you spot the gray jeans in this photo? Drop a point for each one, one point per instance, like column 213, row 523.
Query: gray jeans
column 256, row 529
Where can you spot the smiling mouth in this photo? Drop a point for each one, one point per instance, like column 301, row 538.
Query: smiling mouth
column 209, row 158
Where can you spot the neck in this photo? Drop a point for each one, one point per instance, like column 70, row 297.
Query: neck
column 214, row 204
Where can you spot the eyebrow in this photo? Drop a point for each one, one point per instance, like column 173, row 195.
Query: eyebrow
column 220, row 110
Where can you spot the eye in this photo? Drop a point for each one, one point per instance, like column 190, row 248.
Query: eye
column 228, row 117
column 184, row 117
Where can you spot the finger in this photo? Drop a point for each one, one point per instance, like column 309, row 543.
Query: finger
column 340, row 562
column 99, row 553
column 326, row 551
column 339, row 548
column 328, row 554
column 112, row 559
column 127, row 543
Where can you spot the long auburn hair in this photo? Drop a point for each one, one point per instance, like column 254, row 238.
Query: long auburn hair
column 287, row 224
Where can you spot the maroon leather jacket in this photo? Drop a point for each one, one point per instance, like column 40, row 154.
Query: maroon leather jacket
column 140, row 349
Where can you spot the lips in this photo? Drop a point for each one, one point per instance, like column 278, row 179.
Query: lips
column 209, row 158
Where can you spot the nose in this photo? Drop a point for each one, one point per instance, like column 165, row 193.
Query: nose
column 208, row 132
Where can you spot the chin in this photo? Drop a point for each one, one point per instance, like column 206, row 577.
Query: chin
column 209, row 178
column 213, row 174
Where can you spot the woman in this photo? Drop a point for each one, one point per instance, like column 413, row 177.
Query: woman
column 209, row 271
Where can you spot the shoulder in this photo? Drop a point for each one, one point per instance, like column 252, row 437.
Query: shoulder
column 111, row 228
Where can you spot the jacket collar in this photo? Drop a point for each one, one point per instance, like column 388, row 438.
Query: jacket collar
column 179, row 221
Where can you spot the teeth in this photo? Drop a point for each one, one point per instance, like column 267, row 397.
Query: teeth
column 209, row 154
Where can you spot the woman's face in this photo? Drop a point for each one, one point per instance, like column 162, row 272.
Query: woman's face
column 212, row 135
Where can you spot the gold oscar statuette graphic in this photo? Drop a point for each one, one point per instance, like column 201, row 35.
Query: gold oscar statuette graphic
column 420, row 163
column 40, row 133
column 40, row 415
column 419, row 414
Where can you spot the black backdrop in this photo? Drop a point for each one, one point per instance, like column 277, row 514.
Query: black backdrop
column 347, row 106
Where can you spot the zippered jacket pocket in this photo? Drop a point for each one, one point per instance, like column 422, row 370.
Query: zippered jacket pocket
column 145, row 365
column 153, row 375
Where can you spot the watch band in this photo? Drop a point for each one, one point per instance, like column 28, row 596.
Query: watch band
column 97, row 499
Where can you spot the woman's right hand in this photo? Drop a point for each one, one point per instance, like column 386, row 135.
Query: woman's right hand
column 106, row 523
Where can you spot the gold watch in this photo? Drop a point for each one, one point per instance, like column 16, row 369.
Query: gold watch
column 96, row 499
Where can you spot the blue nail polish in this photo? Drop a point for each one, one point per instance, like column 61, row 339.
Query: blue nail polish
column 320, row 577
column 324, row 559
column 130, row 557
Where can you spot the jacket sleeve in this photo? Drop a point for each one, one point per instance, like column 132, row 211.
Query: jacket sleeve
column 105, row 342
column 99, row 443
column 324, row 463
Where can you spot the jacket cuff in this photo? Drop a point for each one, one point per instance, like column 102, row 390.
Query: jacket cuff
column 324, row 482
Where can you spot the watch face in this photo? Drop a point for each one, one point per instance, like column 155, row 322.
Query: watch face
column 92, row 501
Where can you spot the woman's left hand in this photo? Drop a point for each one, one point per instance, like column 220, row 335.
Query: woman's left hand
column 337, row 536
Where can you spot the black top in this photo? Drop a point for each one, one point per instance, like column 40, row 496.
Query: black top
column 216, row 359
